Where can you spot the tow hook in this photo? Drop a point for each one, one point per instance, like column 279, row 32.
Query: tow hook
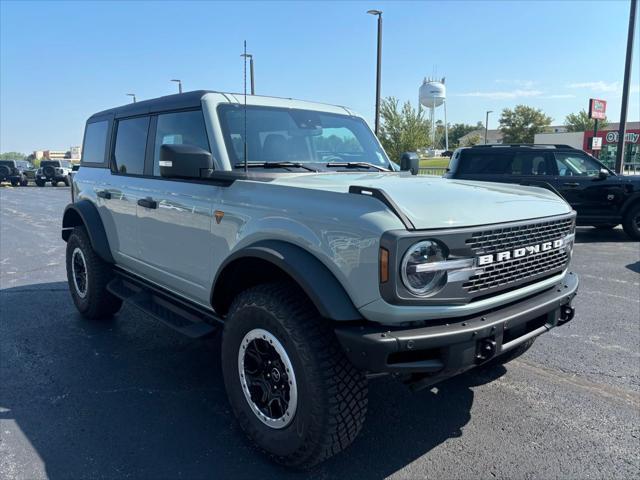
column 566, row 314
column 485, row 350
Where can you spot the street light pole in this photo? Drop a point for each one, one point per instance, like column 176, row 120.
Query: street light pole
column 179, row 82
column 378, row 67
column 486, row 126
column 132, row 95
column 253, row 85
column 625, row 88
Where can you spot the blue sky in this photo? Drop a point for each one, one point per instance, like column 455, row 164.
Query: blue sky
column 62, row 61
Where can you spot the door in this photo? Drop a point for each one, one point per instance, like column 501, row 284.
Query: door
column 121, row 196
column 175, row 217
column 577, row 179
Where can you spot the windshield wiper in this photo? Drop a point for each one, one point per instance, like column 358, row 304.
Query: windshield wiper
column 357, row 165
column 275, row 165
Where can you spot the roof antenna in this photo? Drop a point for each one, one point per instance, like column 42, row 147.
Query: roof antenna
column 246, row 165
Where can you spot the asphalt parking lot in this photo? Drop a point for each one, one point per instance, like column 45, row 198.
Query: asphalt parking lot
column 133, row 399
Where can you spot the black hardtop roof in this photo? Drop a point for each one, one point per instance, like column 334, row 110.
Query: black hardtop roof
column 521, row 145
column 168, row 102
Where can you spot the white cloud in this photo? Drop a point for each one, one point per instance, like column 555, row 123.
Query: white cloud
column 503, row 95
column 598, row 86
column 526, row 84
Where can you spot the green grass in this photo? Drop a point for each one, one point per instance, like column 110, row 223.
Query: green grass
column 441, row 162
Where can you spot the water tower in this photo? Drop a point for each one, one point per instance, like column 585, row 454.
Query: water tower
column 433, row 94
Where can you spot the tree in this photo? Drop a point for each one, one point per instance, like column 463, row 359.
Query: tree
column 580, row 122
column 474, row 139
column 521, row 124
column 402, row 130
column 459, row 130
column 12, row 156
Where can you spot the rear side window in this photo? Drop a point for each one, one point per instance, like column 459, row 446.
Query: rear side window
column 474, row 162
column 131, row 143
column 181, row 128
column 95, row 141
column 504, row 162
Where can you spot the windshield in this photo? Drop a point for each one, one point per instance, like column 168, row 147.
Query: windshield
column 24, row 164
column 277, row 135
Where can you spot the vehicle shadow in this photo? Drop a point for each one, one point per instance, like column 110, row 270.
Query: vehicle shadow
column 131, row 398
column 634, row 267
column 593, row 235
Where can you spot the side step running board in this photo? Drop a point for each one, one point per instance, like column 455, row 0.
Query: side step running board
column 186, row 319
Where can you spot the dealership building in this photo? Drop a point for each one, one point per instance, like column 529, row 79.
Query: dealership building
column 609, row 135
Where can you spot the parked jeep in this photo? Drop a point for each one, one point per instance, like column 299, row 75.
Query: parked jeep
column 54, row 171
column 600, row 197
column 13, row 171
column 284, row 224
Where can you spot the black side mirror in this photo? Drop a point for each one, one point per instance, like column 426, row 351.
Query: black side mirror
column 184, row 161
column 409, row 161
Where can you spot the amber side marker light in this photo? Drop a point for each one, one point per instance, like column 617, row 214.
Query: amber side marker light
column 384, row 265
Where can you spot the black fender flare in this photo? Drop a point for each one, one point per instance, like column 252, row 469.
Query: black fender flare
column 310, row 274
column 84, row 213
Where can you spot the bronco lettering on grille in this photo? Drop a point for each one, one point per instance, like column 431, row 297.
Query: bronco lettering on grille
column 520, row 252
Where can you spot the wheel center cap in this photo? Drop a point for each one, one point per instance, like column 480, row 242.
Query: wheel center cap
column 275, row 374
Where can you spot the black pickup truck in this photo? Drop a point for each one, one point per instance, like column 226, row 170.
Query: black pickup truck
column 600, row 197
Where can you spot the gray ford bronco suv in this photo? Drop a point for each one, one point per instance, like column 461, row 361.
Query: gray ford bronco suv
column 285, row 224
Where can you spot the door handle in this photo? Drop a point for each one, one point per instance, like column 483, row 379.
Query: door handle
column 571, row 184
column 104, row 194
column 148, row 203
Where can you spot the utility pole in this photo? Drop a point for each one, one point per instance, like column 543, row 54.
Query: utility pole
column 486, row 125
column 625, row 88
column 132, row 95
column 179, row 82
column 253, row 85
column 378, row 68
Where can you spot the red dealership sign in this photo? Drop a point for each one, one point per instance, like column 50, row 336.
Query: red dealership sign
column 597, row 108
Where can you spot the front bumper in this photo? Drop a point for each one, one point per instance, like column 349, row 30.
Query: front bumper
column 452, row 346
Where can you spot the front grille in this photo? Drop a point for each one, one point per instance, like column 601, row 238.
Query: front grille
column 510, row 271
column 508, row 238
column 501, row 274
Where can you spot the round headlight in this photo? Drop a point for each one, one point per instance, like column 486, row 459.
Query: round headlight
column 419, row 280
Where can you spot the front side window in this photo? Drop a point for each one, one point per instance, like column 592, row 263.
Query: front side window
column 577, row 164
column 131, row 143
column 294, row 135
column 180, row 128
column 95, row 141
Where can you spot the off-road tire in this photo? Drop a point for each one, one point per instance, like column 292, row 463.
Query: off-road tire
column 332, row 393
column 66, row 181
column 98, row 303
column 631, row 222
column 14, row 183
column 54, row 183
column 40, row 183
column 509, row 356
column 24, row 183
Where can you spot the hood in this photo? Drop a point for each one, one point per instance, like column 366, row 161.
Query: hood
column 434, row 202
